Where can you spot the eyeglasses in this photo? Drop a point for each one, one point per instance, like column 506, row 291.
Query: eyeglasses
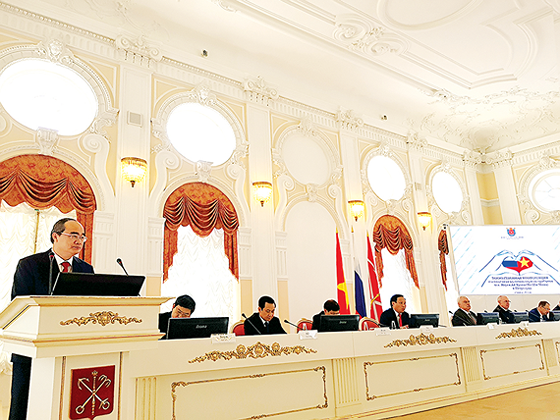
column 76, row 237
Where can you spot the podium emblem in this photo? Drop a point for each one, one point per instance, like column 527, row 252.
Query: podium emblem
column 92, row 392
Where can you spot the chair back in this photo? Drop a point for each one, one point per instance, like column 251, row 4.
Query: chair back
column 238, row 328
column 304, row 324
column 368, row 324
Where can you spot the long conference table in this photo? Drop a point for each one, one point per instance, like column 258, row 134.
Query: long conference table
column 367, row 374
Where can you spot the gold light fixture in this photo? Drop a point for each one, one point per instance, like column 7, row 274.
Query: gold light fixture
column 424, row 219
column 262, row 191
column 356, row 208
column 134, row 169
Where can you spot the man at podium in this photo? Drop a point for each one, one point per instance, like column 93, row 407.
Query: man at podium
column 35, row 275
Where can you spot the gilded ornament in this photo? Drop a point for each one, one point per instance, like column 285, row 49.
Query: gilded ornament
column 102, row 318
column 256, row 351
column 519, row 332
column 421, row 340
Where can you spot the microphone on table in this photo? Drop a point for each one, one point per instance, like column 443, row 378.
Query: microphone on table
column 119, row 262
column 293, row 325
column 51, row 258
column 251, row 324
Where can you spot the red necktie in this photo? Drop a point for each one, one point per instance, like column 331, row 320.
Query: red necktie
column 65, row 267
column 400, row 321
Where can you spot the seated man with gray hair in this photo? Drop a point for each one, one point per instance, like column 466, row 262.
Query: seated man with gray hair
column 463, row 316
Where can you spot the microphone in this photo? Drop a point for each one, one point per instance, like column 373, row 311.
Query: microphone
column 293, row 325
column 251, row 324
column 51, row 258
column 119, row 262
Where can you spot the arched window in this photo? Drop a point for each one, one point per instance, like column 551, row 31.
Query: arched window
column 386, row 178
column 200, row 249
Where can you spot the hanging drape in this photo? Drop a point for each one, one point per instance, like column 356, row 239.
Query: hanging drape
column 443, row 247
column 43, row 182
column 204, row 208
column 389, row 232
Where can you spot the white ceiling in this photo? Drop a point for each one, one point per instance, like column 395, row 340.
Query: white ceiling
column 481, row 74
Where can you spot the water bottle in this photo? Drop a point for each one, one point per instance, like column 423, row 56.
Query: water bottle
column 393, row 325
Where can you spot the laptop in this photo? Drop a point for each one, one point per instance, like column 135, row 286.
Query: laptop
column 88, row 284
column 196, row 327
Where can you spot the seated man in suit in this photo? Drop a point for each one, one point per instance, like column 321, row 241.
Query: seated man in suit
column 557, row 307
column 541, row 313
column 395, row 317
column 463, row 316
column 503, row 310
column 182, row 308
column 330, row 307
column 264, row 321
column 35, row 275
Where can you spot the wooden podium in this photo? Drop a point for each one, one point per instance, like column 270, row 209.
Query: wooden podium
column 79, row 346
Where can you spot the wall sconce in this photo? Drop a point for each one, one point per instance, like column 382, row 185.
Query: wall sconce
column 424, row 219
column 262, row 191
column 134, row 169
column 356, row 209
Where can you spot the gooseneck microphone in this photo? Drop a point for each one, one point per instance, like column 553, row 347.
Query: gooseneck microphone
column 293, row 325
column 51, row 258
column 119, row 262
column 251, row 324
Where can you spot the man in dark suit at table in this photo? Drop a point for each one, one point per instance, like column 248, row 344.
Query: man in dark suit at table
column 182, row 308
column 330, row 307
column 463, row 317
column 506, row 315
column 33, row 277
column 395, row 317
column 264, row 321
column 541, row 313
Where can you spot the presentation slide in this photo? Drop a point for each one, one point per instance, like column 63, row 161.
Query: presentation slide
column 506, row 259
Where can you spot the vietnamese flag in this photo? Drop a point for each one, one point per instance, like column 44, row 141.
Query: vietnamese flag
column 342, row 290
column 518, row 265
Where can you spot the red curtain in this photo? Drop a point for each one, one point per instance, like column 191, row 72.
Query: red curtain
column 43, row 182
column 389, row 232
column 204, row 208
column 443, row 247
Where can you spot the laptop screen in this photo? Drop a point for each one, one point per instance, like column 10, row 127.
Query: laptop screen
column 196, row 327
column 88, row 284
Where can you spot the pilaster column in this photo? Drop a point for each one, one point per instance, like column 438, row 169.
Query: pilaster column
column 472, row 160
column 507, row 192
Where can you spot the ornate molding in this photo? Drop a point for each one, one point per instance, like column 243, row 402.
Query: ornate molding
column 519, row 332
column 420, row 340
column 258, row 91
column 256, row 351
column 364, row 36
column 224, row 4
column 102, row 318
column 499, row 159
column 55, row 51
column 347, row 120
column 311, row 190
column 203, row 170
column 471, row 159
column 137, row 50
column 415, row 142
column 46, row 139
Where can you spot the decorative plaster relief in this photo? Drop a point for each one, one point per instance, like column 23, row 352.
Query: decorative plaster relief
column 415, row 142
column 224, row 4
column 55, row 51
column 347, row 120
column 359, row 34
column 46, row 139
column 499, row 159
column 258, row 91
column 137, row 50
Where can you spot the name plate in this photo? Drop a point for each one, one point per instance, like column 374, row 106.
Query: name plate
column 492, row 326
column 427, row 329
column 307, row 334
column 524, row 324
column 222, row 338
column 382, row 331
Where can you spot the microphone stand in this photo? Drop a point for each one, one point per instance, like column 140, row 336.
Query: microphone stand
column 251, row 324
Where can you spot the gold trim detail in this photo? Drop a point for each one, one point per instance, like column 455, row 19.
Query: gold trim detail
column 519, row 332
column 256, row 351
column 102, row 318
column 486, row 377
column 322, row 369
column 62, row 379
column 414, row 359
column 420, row 340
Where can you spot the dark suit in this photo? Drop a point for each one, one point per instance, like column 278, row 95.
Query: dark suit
column 389, row 316
column 317, row 321
column 556, row 308
column 274, row 326
column 506, row 315
column 164, row 323
column 535, row 316
column 460, row 318
column 31, row 279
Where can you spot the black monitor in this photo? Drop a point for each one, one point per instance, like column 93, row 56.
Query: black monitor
column 555, row 315
column 196, row 327
column 484, row 318
column 339, row 323
column 520, row 317
column 89, row 284
column 417, row 320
